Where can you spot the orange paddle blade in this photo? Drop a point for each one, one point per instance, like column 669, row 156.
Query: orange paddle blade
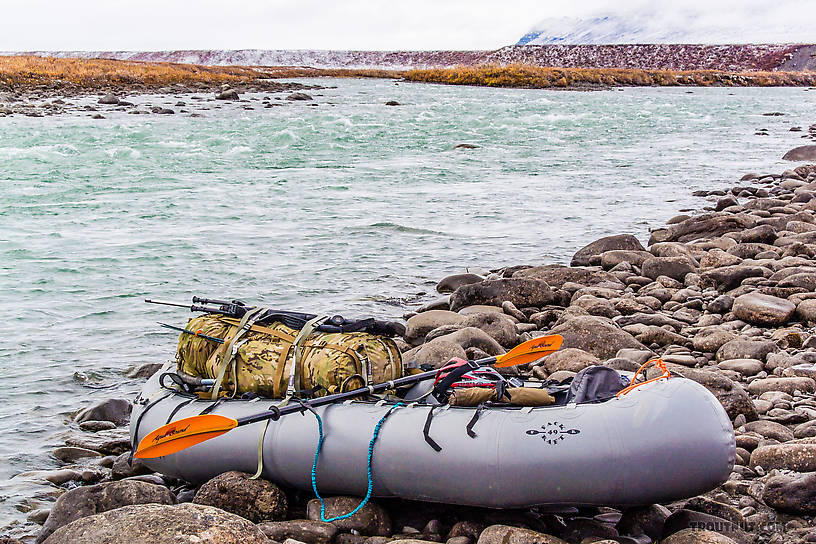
column 529, row 351
column 181, row 434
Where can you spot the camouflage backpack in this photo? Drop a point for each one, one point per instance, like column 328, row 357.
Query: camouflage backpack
column 265, row 356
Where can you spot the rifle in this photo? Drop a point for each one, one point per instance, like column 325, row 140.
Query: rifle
column 295, row 320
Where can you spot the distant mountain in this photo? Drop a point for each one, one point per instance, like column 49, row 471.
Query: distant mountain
column 681, row 26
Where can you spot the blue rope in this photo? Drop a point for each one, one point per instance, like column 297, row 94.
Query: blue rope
column 370, row 461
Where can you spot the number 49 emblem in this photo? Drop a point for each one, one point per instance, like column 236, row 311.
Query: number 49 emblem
column 553, row 432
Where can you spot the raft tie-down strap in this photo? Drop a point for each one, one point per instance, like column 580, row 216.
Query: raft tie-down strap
column 479, row 409
column 210, row 407
column 427, row 429
column 298, row 345
column 178, row 407
column 157, row 397
column 369, row 463
column 656, row 362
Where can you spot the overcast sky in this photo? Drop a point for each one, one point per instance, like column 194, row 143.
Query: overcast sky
column 354, row 24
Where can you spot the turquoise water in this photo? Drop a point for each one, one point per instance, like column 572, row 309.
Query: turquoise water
column 349, row 207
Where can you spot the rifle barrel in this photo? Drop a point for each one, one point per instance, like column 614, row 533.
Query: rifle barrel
column 166, row 303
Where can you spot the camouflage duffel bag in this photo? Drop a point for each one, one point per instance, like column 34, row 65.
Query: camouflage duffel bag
column 265, row 354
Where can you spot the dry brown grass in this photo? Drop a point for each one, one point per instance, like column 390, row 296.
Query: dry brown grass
column 527, row 76
column 290, row 71
column 27, row 71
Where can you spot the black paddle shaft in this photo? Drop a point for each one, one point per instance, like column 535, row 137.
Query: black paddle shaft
column 275, row 413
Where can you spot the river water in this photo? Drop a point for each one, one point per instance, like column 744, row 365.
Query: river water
column 348, row 207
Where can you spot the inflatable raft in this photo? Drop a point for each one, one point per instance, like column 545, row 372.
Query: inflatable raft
column 664, row 441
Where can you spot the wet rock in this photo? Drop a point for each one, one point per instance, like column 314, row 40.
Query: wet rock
column 673, row 267
column 256, row 500
column 69, row 454
column 125, row 467
column 746, row 348
column 762, row 309
column 301, row 530
column 37, row 516
column 96, row 426
column 108, row 99
column 421, row 324
column 791, row 456
column 570, row 359
column 591, row 253
column 579, row 529
column 505, row 534
column 229, row 94
column 161, row 524
column 114, row 410
column 522, row 292
column 395, row 103
column 107, row 442
column 786, row 385
column 87, row 501
column 451, row 283
column 801, row 153
column 792, row 494
column 144, row 371
column 371, row 520
column 299, row 96
column 596, row 335
column 715, row 508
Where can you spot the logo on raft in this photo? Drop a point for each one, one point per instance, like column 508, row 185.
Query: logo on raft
column 169, row 433
column 553, row 432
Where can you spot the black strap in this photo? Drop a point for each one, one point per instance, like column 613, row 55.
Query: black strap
column 139, row 422
column 178, row 407
column 431, row 442
column 211, row 407
column 479, row 409
column 440, row 390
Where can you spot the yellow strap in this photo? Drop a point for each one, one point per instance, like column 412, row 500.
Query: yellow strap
column 231, row 349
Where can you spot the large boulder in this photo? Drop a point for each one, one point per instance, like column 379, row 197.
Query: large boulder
column 506, row 534
column 792, row 494
column 590, row 254
column 596, row 335
column 451, row 283
column 746, row 348
column 571, row 359
column 160, row 524
column 522, row 292
column 89, row 500
column 421, row 324
column 801, row 153
column 372, row 519
column 557, row 275
column 799, row 457
column 762, row 309
column 786, row 385
column 114, row 410
column 256, row 500
column 499, row 326
column 703, row 226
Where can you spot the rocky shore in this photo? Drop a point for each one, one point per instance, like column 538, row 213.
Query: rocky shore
column 726, row 296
